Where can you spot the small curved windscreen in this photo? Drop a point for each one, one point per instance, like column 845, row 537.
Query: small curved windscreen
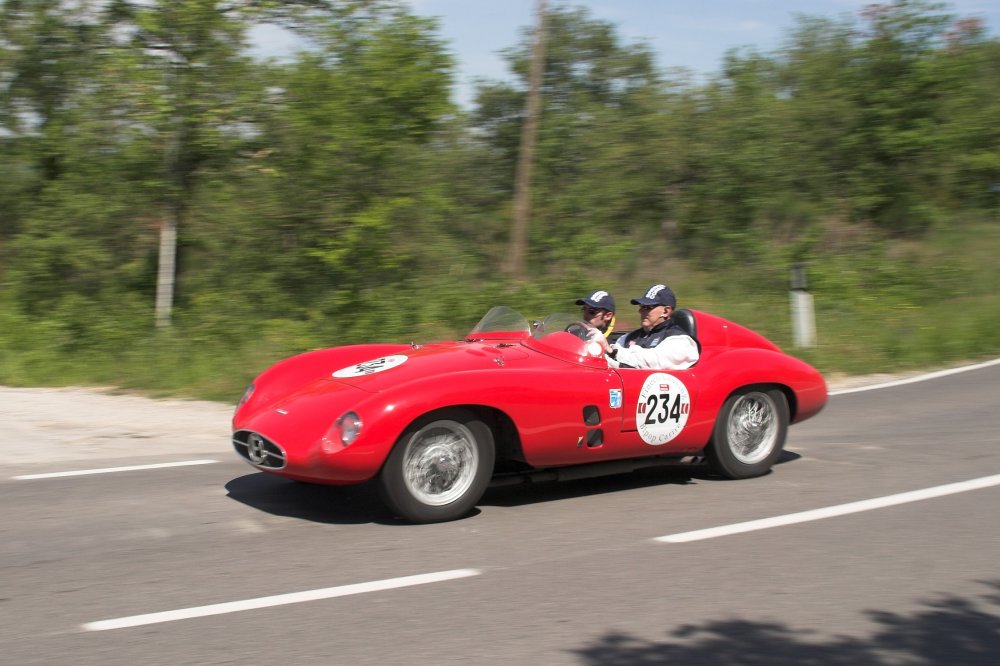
column 565, row 336
column 559, row 321
column 501, row 319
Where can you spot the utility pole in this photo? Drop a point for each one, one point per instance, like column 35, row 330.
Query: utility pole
column 526, row 155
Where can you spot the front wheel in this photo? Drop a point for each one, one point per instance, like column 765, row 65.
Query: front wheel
column 439, row 468
column 749, row 433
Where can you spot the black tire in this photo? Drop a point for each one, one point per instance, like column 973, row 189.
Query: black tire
column 749, row 433
column 439, row 468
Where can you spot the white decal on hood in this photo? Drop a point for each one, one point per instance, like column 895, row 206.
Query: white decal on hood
column 371, row 367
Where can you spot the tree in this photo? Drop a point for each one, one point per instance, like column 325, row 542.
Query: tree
column 343, row 202
column 182, row 60
column 61, row 238
column 47, row 54
column 526, row 152
column 602, row 161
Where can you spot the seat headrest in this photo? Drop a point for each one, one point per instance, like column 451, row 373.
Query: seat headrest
column 685, row 319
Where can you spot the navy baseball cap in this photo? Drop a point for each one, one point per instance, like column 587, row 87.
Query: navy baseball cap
column 658, row 294
column 599, row 299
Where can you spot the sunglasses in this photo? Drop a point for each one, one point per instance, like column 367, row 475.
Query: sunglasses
column 590, row 312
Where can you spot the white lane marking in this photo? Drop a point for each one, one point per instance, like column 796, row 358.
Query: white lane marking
column 108, row 470
column 918, row 378
column 832, row 511
column 279, row 600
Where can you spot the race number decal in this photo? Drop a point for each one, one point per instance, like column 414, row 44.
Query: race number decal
column 662, row 409
column 371, row 367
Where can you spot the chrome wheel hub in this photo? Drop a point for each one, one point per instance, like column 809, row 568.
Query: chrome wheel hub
column 752, row 427
column 440, row 462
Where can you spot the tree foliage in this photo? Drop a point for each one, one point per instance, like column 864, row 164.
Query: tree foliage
column 340, row 195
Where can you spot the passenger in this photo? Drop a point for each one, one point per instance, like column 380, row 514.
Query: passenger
column 599, row 311
column 660, row 343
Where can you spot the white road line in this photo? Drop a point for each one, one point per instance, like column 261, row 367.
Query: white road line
column 918, row 378
column 279, row 600
column 832, row 511
column 108, row 470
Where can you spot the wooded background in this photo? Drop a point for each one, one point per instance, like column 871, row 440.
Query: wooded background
column 342, row 196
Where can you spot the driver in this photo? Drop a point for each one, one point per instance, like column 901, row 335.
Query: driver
column 659, row 344
column 599, row 311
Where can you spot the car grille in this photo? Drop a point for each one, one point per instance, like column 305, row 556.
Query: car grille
column 258, row 450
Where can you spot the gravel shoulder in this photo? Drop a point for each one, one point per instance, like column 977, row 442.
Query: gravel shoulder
column 78, row 424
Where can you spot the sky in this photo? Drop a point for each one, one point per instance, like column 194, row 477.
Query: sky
column 682, row 33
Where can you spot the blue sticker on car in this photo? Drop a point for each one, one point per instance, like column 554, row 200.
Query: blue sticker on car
column 615, row 398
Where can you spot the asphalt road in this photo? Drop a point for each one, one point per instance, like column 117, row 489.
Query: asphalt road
column 566, row 573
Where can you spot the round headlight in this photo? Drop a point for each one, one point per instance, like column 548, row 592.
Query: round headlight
column 349, row 426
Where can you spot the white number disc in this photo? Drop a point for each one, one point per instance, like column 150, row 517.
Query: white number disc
column 662, row 409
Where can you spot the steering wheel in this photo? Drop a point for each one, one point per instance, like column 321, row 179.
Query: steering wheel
column 581, row 331
column 595, row 346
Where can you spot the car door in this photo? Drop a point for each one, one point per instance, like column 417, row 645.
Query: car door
column 566, row 417
column 656, row 411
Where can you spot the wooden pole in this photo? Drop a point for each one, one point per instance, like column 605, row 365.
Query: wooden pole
column 525, row 159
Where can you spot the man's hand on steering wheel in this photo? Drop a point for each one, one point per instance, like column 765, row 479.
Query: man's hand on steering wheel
column 597, row 344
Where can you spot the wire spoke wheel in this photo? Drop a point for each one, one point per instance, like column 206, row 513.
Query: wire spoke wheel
column 440, row 462
column 749, row 433
column 439, row 467
column 753, row 427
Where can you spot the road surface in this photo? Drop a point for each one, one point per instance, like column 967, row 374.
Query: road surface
column 131, row 534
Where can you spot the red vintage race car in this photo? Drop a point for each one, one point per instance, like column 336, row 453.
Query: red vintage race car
column 436, row 423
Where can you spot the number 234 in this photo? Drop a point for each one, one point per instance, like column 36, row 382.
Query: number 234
column 659, row 408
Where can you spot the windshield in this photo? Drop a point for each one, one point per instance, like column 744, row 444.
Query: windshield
column 560, row 335
column 502, row 320
column 565, row 336
column 560, row 321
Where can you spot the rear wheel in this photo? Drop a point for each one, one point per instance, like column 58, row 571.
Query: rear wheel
column 749, row 433
column 439, row 468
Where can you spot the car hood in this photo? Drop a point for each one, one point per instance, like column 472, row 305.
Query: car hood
column 382, row 372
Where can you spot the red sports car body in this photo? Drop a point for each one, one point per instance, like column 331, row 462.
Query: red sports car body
column 436, row 422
